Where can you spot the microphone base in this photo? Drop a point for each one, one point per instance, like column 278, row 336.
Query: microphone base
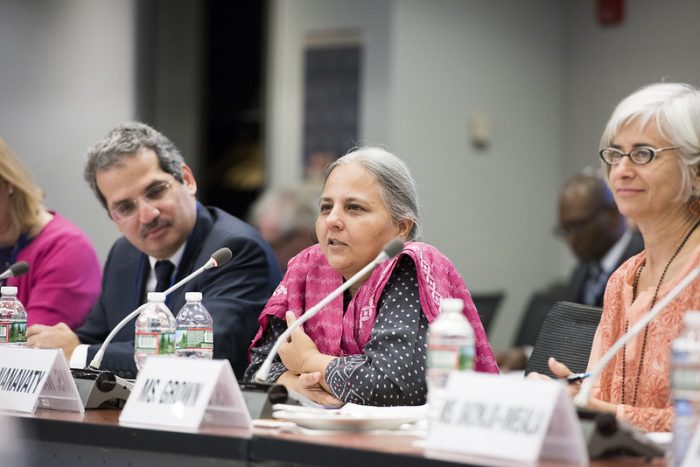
column 259, row 398
column 101, row 389
column 608, row 437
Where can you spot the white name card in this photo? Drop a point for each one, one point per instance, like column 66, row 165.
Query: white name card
column 504, row 418
column 31, row 378
column 184, row 393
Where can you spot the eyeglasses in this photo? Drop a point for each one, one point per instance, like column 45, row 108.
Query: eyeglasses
column 128, row 207
column 641, row 155
column 573, row 227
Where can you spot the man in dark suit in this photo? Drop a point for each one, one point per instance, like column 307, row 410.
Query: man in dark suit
column 601, row 239
column 596, row 233
column 149, row 192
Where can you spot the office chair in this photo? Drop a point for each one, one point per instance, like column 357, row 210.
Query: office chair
column 567, row 334
column 487, row 306
column 531, row 321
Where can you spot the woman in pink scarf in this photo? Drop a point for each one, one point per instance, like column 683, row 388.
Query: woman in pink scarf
column 368, row 347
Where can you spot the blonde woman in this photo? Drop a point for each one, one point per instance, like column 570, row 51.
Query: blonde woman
column 64, row 275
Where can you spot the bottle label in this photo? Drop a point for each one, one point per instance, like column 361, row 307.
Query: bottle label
column 13, row 331
column 161, row 343
column 194, row 339
column 450, row 357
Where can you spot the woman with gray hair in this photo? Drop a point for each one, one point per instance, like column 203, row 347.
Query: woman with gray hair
column 370, row 346
column 651, row 157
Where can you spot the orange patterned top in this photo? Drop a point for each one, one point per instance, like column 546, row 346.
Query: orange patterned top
column 654, row 410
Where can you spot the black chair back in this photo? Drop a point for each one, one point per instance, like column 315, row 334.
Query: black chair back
column 487, row 306
column 531, row 322
column 567, row 334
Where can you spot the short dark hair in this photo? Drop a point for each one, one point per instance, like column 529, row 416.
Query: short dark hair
column 124, row 141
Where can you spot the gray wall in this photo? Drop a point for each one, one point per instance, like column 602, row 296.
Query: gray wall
column 289, row 25
column 66, row 78
column 430, row 66
column 657, row 41
column 490, row 211
column 169, row 82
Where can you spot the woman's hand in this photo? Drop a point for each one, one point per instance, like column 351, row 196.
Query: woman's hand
column 309, row 385
column 562, row 371
column 300, row 354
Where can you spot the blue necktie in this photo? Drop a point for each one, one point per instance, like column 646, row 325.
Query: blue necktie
column 164, row 271
column 595, row 284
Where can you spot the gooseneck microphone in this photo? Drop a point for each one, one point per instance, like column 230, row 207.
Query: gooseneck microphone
column 390, row 250
column 581, row 399
column 15, row 270
column 219, row 258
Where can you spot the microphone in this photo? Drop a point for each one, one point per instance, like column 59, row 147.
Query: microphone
column 390, row 250
column 16, row 270
column 219, row 258
column 581, row 399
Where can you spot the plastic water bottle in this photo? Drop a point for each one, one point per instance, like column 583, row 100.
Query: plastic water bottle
column 13, row 318
column 450, row 344
column 195, row 329
column 685, row 385
column 155, row 330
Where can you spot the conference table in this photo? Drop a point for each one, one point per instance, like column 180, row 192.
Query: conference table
column 96, row 438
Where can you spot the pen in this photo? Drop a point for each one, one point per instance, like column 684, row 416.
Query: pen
column 577, row 377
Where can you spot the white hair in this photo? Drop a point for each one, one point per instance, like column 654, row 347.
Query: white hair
column 675, row 110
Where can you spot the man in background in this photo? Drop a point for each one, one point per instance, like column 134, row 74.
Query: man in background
column 286, row 220
column 596, row 233
column 600, row 238
column 148, row 191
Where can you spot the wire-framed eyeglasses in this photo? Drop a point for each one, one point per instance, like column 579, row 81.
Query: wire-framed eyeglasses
column 128, row 207
column 640, row 155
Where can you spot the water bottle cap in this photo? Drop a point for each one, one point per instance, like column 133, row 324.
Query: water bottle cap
column 451, row 304
column 8, row 290
column 193, row 296
column 691, row 318
column 158, row 297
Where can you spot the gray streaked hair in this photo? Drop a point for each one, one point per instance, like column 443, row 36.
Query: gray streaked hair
column 124, row 141
column 675, row 109
column 396, row 185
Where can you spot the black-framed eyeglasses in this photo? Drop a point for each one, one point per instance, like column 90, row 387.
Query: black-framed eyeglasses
column 573, row 227
column 640, row 155
column 128, row 207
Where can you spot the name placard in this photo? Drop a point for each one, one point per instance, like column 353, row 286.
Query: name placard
column 31, row 378
column 504, row 418
column 185, row 393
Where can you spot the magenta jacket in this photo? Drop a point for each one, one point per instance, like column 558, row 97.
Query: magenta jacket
column 64, row 278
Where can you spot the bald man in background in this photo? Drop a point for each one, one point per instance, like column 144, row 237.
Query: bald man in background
column 600, row 238
column 596, row 232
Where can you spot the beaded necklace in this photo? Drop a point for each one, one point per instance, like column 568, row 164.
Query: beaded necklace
column 646, row 328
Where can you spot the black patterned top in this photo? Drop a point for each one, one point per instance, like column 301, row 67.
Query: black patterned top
column 391, row 371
